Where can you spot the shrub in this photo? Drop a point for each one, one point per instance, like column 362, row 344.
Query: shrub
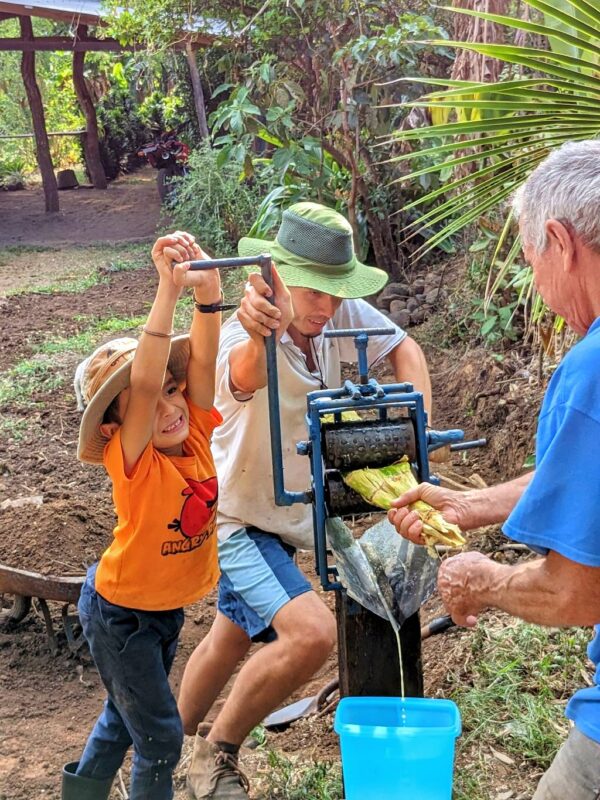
column 215, row 203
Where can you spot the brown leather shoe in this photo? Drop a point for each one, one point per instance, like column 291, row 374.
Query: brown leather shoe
column 215, row 774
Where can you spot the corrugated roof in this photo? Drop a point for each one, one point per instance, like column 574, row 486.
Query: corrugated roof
column 87, row 12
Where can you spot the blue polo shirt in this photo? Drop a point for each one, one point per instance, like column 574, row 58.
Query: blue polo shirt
column 560, row 509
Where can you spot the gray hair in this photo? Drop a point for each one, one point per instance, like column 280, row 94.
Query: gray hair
column 566, row 187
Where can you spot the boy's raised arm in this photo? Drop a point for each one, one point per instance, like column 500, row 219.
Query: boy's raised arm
column 138, row 404
column 204, row 331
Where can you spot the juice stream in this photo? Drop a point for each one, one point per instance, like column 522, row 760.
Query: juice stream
column 396, row 629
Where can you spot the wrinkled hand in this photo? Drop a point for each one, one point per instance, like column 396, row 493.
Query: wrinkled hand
column 408, row 523
column 462, row 583
column 260, row 317
column 174, row 248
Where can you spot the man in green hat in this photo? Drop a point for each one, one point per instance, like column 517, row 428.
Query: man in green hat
column 263, row 595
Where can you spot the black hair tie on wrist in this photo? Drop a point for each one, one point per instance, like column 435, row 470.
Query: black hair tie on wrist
column 212, row 308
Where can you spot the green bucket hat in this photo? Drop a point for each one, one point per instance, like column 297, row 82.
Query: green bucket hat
column 314, row 249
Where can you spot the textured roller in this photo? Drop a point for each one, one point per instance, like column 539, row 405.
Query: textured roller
column 341, row 499
column 368, row 444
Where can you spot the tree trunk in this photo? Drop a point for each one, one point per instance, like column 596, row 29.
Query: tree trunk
column 190, row 53
column 91, row 146
column 470, row 66
column 42, row 146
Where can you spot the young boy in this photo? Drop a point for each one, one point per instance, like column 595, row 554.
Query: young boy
column 153, row 438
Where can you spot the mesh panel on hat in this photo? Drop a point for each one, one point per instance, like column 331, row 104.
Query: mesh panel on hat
column 314, row 241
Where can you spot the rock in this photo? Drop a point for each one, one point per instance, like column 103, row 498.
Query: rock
column 412, row 304
column 418, row 286
column 433, row 296
column 401, row 318
column 385, row 302
column 397, row 305
column 19, row 502
column 392, row 297
column 399, row 289
column 417, row 316
column 66, row 179
column 420, row 298
column 13, row 183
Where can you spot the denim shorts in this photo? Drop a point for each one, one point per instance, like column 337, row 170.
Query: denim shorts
column 258, row 577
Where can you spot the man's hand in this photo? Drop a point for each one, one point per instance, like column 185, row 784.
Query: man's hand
column 408, row 523
column 462, row 583
column 174, row 248
column 260, row 317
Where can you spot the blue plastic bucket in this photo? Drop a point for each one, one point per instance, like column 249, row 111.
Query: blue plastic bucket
column 394, row 749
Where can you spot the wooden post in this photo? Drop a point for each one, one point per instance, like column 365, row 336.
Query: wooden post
column 190, row 52
column 42, row 146
column 368, row 653
column 91, row 146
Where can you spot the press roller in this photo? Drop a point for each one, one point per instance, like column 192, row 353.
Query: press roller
column 393, row 423
column 354, row 445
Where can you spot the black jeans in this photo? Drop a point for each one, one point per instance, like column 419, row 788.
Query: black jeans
column 134, row 652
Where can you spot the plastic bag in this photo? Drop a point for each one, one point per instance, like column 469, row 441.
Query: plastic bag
column 382, row 568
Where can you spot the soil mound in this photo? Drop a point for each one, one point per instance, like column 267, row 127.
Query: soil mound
column 62, row 537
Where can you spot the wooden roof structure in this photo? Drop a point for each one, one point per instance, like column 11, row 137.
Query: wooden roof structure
column 81, row 14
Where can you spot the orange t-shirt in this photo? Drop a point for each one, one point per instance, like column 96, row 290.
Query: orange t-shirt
column 164, row 554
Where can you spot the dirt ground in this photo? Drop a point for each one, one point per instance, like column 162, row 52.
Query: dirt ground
column 127, row 211
column 49, row 702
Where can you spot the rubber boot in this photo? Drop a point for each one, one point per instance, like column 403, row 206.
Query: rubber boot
column 76, row 787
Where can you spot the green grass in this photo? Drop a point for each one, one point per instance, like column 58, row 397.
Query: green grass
column 83, row 266
column 9, row 251
column 292, row 780
column 86, row 340
column 512, row 698
column 13, row 427
column 45, row 371
column 28, row 377
column 72, row 286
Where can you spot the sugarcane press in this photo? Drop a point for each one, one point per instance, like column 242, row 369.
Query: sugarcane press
column 389, row 422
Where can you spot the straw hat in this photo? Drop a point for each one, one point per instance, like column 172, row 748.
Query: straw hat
column 314, row 249
column 106, row 374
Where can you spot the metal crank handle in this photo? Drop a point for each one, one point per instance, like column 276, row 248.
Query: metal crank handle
column 471, row 445
column 231, row 263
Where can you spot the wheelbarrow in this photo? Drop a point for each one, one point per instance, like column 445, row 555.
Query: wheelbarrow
column 28, row 586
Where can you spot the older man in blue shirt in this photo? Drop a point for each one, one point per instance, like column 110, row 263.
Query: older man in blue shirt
column 555, row 509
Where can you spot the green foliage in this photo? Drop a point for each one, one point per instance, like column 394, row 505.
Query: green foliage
column 521, row 678
column 300, row 100
column 291, row 780
column 499, row 132
column 215, row 203
column 28, row 378
column 133, row 93
column 53, row 72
